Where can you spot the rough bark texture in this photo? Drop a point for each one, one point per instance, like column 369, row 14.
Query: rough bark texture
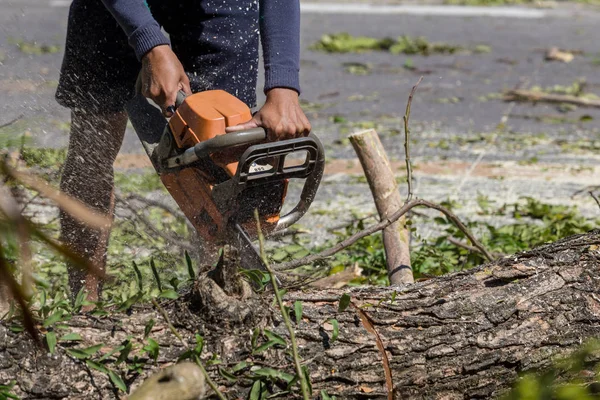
column 382, row 182
column 465, row 335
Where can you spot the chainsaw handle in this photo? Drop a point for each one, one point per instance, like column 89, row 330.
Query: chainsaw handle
column 180, row 98
column 218, row 143
column 309, row 191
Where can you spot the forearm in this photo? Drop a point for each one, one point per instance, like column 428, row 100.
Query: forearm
column 136, row 20
column 280, row 37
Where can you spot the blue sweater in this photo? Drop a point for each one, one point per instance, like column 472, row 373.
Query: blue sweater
column 279, row 28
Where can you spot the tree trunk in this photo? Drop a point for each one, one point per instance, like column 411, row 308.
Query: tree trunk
column 382, row 182
column 465, row 335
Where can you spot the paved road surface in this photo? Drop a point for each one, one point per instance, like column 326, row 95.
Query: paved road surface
column 455, row 113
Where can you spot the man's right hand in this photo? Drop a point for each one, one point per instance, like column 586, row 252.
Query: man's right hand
column 162, row 77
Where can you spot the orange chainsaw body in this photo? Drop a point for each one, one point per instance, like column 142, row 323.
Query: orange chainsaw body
column 203, row 116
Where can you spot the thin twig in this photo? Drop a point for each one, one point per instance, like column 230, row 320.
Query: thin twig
column 175, row 240
column 155, row 203
column 284, row 314
column 407, row 141
column 9, row 123
column 210, row 382
column 595, row 198
column 380, row 226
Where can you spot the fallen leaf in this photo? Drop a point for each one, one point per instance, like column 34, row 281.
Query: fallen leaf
column 366, row 389
column 555, row 54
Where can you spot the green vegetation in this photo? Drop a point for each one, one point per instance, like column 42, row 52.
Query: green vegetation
column 577, row 89
column 33, row 48
column 346, row 43
column 580, row 375
column 534, row 223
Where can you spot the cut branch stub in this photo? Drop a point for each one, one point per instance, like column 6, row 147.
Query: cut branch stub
column 382, row 182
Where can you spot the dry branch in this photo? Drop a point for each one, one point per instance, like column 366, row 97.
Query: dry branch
column 380, row 226
column 406, row 119
column 595, row 198
column 536, row 97
column 384, row 188
column 71, row 206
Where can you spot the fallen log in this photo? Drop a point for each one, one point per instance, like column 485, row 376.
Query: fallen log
column 464, row 335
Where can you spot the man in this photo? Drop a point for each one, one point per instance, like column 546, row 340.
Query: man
column 213, row 44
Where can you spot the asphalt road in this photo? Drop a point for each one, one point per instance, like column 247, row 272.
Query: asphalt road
column 456, row 114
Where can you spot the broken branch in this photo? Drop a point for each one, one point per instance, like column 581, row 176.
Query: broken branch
column 536, row 96
column 380, row 226
column 407, row 141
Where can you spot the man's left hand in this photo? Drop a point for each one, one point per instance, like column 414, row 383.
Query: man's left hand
column 281, row 116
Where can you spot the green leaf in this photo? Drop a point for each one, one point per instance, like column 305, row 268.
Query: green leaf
column 16, row 328
column 51, row 341
column 110, row 353
column 344, row 302
column 80, row 355
column 274, row 373
column 97, row 366
column 83, row 354
column 199, row 345
column 152, row 348
column 138, row 275
column 307, row 379
column 298, row 311
column 156, row 276
column 279, row 255
column 190, row 266
column 117, row 381
column 336, row 329
column 254, row 338
column 169, row 294
column 325, row 396
column 148, row 328
column 258, row 391
column 124, row 353
column 239, row 366
column 274, row 337
column 81, row 295
column 54, row 318
column 71, row 337
column 227, row 375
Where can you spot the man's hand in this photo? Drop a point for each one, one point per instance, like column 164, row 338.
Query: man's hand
column 162, row 77
column 281, row 116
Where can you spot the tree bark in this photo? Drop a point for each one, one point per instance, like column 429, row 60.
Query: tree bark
column 382, row 182
column 464, row 335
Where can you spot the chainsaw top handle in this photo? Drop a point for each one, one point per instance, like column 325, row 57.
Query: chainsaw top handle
column 274, row 154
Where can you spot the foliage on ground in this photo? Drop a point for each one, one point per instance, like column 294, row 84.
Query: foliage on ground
column 534, row 223
column 346, row 43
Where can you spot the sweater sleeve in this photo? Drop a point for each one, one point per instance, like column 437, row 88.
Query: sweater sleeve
column 134, row 16
column 280, row 37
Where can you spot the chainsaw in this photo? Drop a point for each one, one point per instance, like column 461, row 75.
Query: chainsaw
column 219, row 179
